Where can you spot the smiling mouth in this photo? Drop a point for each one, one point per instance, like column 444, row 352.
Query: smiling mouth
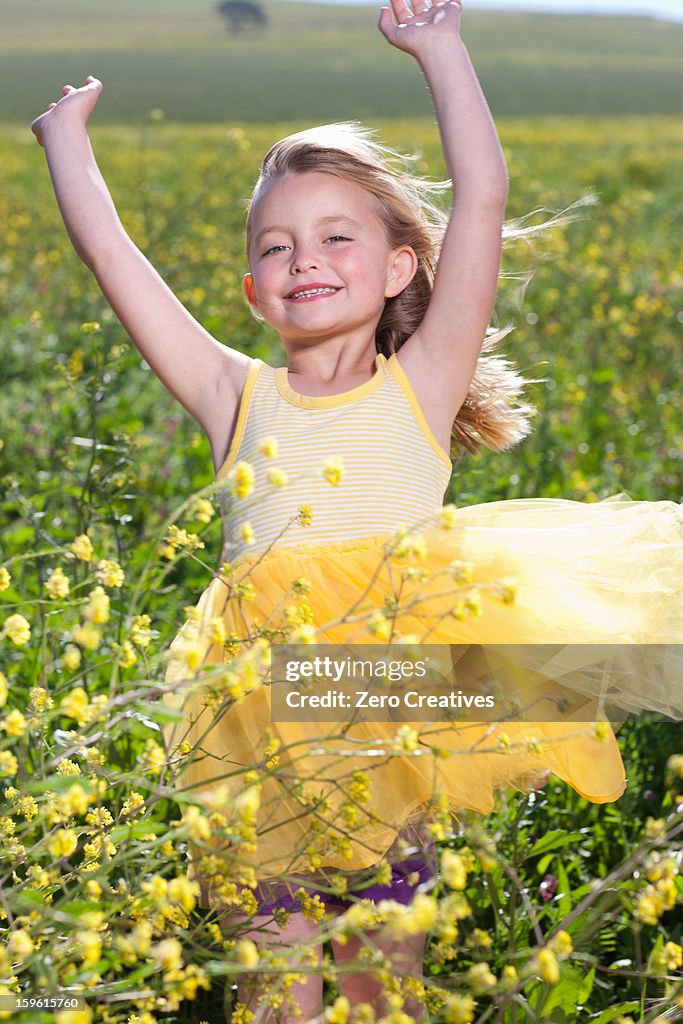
column 311, row 293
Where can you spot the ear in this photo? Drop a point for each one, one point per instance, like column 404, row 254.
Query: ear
column 248, row 289
column 400, row 271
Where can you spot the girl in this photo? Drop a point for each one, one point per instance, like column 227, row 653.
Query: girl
column 349, row 445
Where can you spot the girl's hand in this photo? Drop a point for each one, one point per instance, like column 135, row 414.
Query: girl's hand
column 416, row 31
column 79, row 102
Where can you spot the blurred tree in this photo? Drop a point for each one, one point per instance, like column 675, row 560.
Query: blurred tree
column 241, row 14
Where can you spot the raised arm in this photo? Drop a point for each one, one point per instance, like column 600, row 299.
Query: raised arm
column 205, row 376
column 452, row 332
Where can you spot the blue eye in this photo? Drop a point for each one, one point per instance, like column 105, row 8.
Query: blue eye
column 338, row 238
column 275, row 248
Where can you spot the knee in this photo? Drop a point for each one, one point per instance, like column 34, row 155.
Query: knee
column 272, row 1001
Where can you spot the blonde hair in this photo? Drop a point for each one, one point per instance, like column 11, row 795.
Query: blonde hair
column 492, row 414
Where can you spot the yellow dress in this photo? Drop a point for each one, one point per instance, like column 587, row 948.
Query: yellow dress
column 370, row 477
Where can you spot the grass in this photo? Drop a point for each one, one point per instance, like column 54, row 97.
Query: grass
column 323, row 62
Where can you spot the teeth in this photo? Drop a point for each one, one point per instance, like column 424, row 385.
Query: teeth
column 314, row 291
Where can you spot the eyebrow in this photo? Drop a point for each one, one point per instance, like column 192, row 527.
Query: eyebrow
column 332, row 218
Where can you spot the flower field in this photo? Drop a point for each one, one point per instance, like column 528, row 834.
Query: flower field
column 550, row 909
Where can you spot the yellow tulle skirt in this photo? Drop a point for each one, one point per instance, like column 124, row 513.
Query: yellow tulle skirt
column 528, row 571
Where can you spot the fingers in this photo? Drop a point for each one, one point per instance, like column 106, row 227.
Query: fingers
column 416, row 13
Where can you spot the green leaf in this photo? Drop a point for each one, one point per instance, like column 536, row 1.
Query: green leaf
column 564, row 901
column 556, row 839
column 614, row 1011
column 158, row 712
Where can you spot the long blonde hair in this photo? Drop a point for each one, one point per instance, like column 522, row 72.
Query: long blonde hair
column 492, row 414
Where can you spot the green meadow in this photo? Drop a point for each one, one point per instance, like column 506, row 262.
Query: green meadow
column 322, row 62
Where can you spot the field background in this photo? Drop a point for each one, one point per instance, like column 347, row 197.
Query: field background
column 323, row 62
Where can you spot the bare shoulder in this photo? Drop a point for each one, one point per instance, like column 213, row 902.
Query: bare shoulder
column 224, row 399
column 430, row 390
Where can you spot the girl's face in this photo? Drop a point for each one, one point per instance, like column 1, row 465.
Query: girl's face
column 320, row 261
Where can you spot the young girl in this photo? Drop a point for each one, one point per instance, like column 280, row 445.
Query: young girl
column 349, row 447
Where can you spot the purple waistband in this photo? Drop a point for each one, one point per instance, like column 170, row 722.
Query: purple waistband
column 406, row 876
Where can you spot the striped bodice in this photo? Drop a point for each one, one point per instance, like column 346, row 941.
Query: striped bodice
column 393, row 470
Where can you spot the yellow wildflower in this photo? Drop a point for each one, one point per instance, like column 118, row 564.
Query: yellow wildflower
column 655, row 827
column 71, row 658
column 97, row 608
column 153, row 758
column 168, row 954
column 14, row 723
column 244, row 591
column 126, row 654
column 74, row 801
column 547, row 966
column 247, row 533
column 176, row 538
column 247, row 803
column 269, row 447
column 459, row 1009
column 109, row 573
column 183, row 892
column 407, row 544
column 82, row 547
column 62, row 843
column 421, row 916
column 18, row 629
column 83, row 1016
column 601, row 730
column 87, row 636
column 509, row 976
column 68, row 767
column 480, row 938
column 57, row 584
column 649, row 906
column 406, row 739
column 277, row 478
column 39, row 699
column 380, row 626
column 246, row 953
column 674, row 769
column 202, row 509
column 448, row 517
column 20, row 945
column 672, row 956
column 480, row 978
column 304, row 516
column 333, row 471
column 454, row 870
column 561, row 943
column 5, row 578
column 338, row 1013
column 89, row 947
column 140, row 633
column 241, row 479
column 302, row 586
column 76, row 705
column 241, row 1014
column 3, row 689
column 8, row 763
column 303, row 634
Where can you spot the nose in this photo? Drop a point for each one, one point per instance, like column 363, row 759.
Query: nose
column 303, row 260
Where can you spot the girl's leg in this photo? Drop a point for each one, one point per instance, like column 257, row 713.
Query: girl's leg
column 260, row 992
column 405, row 959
